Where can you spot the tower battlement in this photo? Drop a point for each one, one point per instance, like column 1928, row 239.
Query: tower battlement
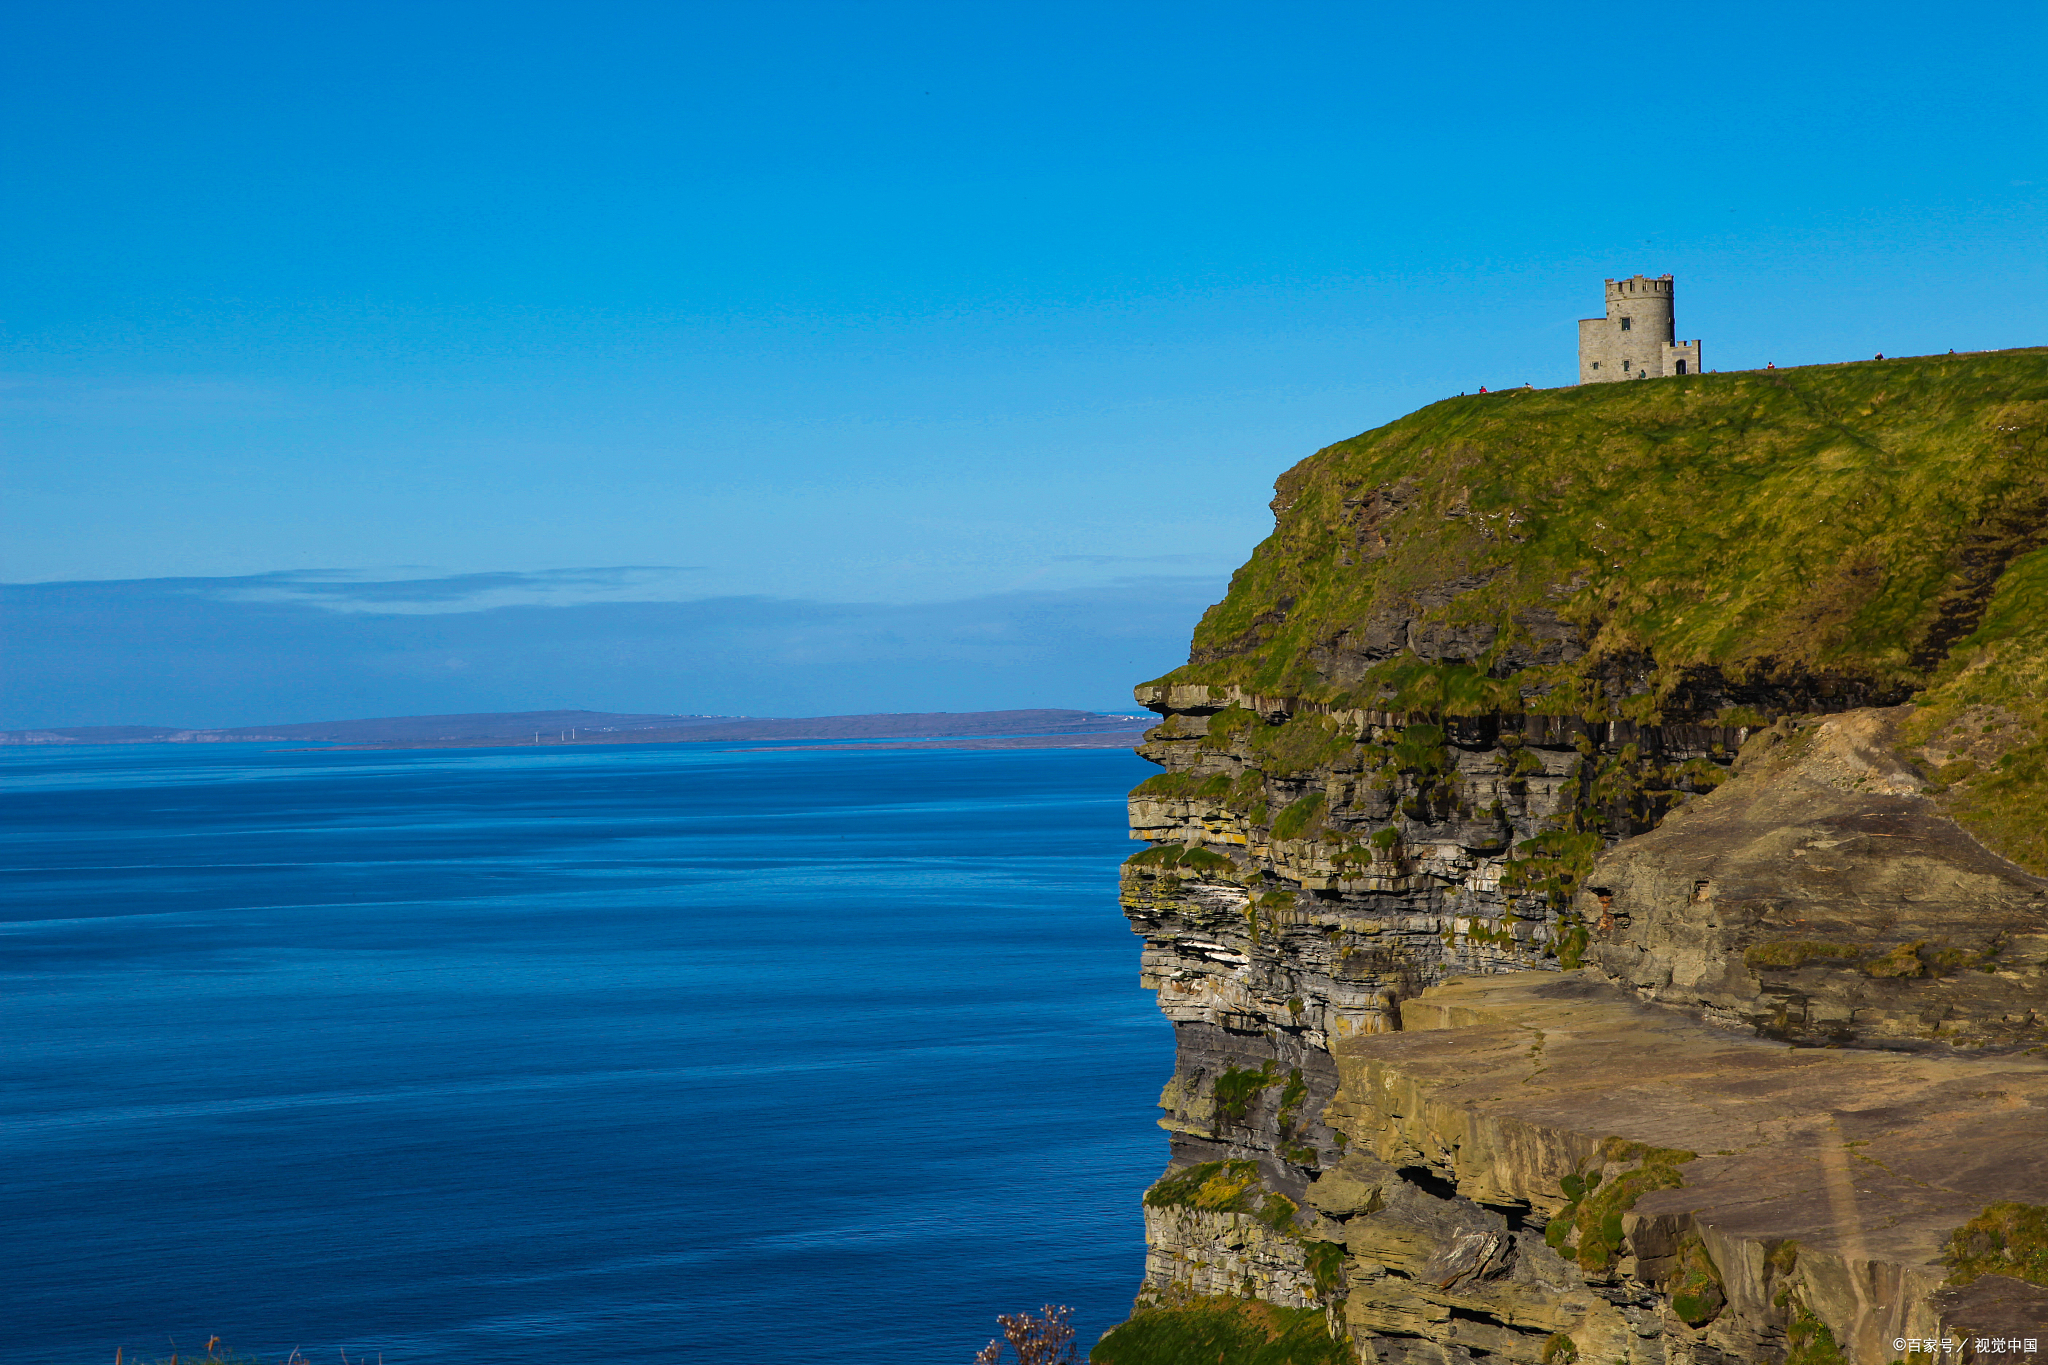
column 1636, row 285
column 1637, row 338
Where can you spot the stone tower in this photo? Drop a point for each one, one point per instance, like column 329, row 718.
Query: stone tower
column 1635, row 339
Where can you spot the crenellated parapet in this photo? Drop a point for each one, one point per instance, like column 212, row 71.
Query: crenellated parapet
column 1636, row 338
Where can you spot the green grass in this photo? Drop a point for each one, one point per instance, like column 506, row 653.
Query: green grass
column 1326, row 1264
column 1183, row 786
column 1697, row 1292
column 1807, row 515
column 1223, row 1331
column 1551, row 866
column 2001, row 666
column 1303, row 745
column 1300, row 819
column 1193, row 858
column 1589, row 1227
column 1164, row 786
column 1421, row 750
column 1237, row 1087
column 1216, row 1186
column 1295, row 1092
column 1823, row 536
column 1809, row 1341
column 1277, row 1212
column 2005, row 1239
column 1225, row 725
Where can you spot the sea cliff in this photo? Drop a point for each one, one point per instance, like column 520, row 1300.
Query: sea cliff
column 1596, row 882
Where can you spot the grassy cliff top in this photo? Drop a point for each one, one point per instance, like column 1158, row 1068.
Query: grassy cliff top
column 1598, row 549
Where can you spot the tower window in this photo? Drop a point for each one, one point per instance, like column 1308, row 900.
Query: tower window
column 1596, row 364
column 1625, row 323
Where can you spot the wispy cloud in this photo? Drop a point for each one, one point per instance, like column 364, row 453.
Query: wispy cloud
column 313, row 645
column 364, row 590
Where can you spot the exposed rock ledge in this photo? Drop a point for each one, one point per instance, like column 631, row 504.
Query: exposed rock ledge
column 1604, row 685
column 1372, row 1045
column 1820, row 896
column 1825, row 1185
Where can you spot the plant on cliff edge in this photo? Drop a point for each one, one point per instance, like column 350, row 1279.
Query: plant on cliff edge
column 1325, row 1261
column 2005, row 1239
column 1194, row 858
column 1809, row 1341
column 1217, row 1186
column 1297, row 819
column 1188, row 1328
column 1697, row 1293
column 1238, row 1087
column 1044, row 1340
column 1589, row 1228
column 1277, row 1212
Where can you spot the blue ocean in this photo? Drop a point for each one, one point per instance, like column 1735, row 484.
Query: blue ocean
column 615, row 1054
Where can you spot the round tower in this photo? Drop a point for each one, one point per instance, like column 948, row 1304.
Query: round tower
column 1640, row 309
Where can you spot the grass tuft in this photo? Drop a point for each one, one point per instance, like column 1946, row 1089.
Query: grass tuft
column 2005, row 1239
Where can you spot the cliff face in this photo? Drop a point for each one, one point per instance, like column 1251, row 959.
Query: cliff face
column 1657, row 705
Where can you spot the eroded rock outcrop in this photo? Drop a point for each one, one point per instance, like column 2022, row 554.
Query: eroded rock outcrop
column 1823, row 898
column 1361, row 1044
column 1571, row 946
column 1657, row 1188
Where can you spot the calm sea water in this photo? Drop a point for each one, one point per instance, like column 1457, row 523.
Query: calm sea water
column 620, row 1054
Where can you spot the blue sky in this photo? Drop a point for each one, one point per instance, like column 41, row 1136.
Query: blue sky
column 843, row 310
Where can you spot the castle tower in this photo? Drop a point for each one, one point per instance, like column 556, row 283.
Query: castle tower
column 1636, row 340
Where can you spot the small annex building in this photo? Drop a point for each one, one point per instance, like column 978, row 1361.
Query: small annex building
column 1636, row 340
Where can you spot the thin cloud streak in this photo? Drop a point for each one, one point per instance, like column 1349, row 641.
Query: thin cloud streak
column 346, row 591
column 275, row 648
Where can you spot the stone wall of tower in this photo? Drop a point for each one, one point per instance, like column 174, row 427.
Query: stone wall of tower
column 1636, row 339
column 1682, row 357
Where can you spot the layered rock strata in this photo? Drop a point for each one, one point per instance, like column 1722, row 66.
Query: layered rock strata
column 1824, row 899
column 1692, row 991
column 1540, row 1156
column 1536, row 759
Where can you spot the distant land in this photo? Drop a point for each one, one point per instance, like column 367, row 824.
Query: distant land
column 1037, row 728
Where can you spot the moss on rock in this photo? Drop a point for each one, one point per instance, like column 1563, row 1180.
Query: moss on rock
column 1695, row 1286
column 1809, row 1341
column 1216, row 1328
column 1214, row 1186
column 1299, row 819
column 2005, row 1239
column 1237, row 1087
column 1590, row 1227
column 1192, row 858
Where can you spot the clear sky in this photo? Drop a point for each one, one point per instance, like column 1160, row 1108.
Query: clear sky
column 959, row 310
